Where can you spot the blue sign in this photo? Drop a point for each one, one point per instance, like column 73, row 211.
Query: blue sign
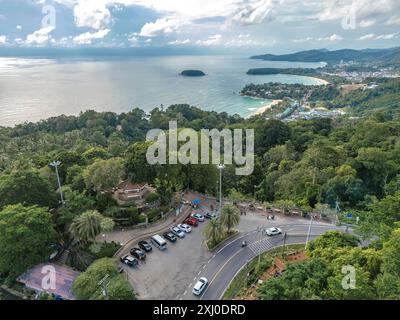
column 349, row 215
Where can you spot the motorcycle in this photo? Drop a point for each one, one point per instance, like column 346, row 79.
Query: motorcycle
column 244, row 244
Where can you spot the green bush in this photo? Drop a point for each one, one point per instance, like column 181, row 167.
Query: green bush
column 107, row 250
column 152, row 197
column 154, row 214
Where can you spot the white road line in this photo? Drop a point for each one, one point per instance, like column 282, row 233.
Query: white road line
column 185, row 293
column 219, row 271
column 228, row 244
column 199, row 273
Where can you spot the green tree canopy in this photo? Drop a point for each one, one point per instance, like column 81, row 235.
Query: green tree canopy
column 26, row 236
column 28, row 188
column 86, row 286
column 103, row 175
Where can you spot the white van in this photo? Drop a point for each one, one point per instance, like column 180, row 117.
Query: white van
column 159, row 242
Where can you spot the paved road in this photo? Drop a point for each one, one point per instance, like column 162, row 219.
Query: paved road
column 224, row 264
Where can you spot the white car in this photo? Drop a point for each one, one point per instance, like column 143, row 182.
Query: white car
column 185, row 227
column 273, row 231
column 200, row 286
column 199, row 217
column 178, row 232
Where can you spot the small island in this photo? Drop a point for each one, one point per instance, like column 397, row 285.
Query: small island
column 192, row 73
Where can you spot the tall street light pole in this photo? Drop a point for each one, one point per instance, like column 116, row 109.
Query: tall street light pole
column 220, row 167
column 56, row 164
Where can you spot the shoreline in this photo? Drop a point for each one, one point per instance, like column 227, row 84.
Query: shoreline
column 266, row 107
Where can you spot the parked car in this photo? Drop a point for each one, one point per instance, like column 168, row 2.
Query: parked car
column 185, row 228
column 129, row 261
column 170, row 237
column 145, row 246
column 200, row 286
column 178, row 232
column 199, row 217
column 192, row 222
column 273, row 231
column 138, row 253
column 210, row 215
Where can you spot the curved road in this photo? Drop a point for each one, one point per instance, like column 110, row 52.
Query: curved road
column 225, row 263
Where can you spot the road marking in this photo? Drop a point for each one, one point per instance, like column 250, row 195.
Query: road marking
column 194, row 279
column 185, row 293
column 219, row 271
column 234, row 240
column 199, row 273
column 204, row 266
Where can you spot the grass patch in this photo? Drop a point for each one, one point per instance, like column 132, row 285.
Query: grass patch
column 252, row 272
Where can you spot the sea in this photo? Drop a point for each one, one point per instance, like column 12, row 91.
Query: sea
column 32, row 89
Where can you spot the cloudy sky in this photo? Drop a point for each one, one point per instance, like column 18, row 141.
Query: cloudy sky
column 225, row 25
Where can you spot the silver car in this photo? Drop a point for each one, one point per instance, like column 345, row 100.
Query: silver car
column 273, row 231
column 200, row 286
column 178, row 232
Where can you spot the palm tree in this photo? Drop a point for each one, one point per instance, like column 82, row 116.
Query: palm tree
column 213, row 231
column 87, row 226
column 230, row 217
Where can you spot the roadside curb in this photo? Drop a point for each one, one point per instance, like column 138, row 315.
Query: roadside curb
column 144, row 236
column 223, row 242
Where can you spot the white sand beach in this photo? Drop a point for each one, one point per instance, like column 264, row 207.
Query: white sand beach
column 266, row 107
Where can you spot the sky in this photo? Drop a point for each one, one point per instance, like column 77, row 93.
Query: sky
column 258, row 26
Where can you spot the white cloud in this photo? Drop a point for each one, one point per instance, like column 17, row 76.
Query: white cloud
column 254, row 13
column 394, row 20
column 87, row 37
column 210, row 41
column 303, row 40
column 3, row 40
column 387, row 36
column 161, row 26
column 180, row 42
column 40, row 37
column 18, row 27
column 368, row 36
column 93, row 14
column 332, row 38
column 367, row 23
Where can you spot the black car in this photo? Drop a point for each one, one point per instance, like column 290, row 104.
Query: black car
column 138, row 253
column 129, row 261
column 145, row 246
column 170, row 237
column 210, row 215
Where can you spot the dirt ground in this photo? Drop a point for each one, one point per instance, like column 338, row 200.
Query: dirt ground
column 278, row 266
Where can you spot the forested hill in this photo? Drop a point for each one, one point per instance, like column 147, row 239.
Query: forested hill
column 391, row 55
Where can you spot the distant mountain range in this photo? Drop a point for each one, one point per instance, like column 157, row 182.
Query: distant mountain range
column 390, row 55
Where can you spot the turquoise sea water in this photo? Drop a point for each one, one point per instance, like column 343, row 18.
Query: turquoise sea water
column 34, row 89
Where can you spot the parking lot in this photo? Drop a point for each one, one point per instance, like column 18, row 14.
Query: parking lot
column 171, row 274
column 166, row 274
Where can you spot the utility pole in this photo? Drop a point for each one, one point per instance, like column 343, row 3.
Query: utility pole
column 261, row 232
column 220, row 167
column 56, row 164
column 284, row 243
column 309, row 232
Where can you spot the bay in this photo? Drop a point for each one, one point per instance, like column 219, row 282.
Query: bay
column 34, row 89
